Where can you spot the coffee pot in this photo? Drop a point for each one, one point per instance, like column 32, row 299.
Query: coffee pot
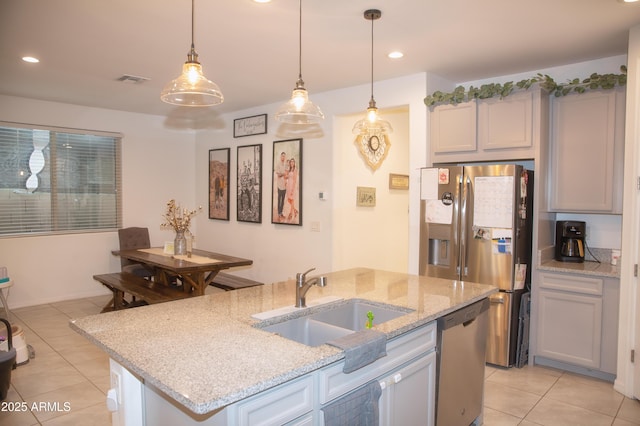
column 570, row 241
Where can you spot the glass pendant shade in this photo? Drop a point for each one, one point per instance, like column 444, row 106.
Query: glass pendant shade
column 299, row 109
column 192, row 88
column 372, row 124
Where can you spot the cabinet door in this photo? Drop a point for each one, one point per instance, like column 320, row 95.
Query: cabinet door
column 276, row 406
column 453, row 128
column 506, row 123
column 570, row 327
column 584, row 158
column 408, row 394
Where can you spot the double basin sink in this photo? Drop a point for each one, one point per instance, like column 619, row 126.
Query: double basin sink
column 333, row 321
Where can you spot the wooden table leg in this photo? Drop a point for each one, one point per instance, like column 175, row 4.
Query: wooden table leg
column 194, row 282
column 118, row 300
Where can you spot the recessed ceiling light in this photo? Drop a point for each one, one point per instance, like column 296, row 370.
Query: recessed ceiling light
column 395, row 55
column 262, row 1
column 30, row 59
column 628, row 1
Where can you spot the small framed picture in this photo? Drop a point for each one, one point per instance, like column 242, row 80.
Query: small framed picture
column 398, row 181
column 219, row 183
column 249, row 193
column 366, row 196
column 286, row 207
column 249, row 126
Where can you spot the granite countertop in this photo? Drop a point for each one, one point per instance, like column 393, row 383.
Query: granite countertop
column 584, row 268
column 205, row 352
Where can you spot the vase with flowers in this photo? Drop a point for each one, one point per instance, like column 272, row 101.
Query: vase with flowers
column 179, row 220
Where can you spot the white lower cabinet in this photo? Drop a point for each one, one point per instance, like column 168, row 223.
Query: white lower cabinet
column 578, row 321
column 408, row 394
column 277, row 406
column 407, row 375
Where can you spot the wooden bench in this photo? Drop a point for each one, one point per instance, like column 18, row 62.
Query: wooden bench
column 148, row 292
column 232, row 282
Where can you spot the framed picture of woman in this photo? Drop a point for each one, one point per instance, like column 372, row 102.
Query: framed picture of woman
column 219, row 183
column 249, row 204
column 286, row 207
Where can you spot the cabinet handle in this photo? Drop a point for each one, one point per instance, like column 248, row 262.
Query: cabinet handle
column 397, row 378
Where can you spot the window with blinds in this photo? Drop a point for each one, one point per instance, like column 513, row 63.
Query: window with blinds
column 58, row 180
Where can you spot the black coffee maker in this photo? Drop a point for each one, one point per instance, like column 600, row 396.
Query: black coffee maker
column 570, row 235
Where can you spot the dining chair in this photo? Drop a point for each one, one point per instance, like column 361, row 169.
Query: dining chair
column 130, row 239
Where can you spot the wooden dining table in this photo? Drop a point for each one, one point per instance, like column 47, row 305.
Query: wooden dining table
column 196, row 272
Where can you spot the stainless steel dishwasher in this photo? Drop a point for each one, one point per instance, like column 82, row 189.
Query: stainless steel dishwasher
column 461, row 350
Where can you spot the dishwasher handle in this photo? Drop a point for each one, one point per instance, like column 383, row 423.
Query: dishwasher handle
column 463, row 316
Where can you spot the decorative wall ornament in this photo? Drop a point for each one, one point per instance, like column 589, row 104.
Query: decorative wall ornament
column 374, row 149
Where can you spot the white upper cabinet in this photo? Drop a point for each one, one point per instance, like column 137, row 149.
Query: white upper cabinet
column 485, row 130
column 453, row 128
column 587, row 147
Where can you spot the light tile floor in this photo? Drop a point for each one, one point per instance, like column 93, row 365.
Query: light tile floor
column 67, row 369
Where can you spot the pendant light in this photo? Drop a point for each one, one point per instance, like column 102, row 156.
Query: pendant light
column 372, row 126
column 299, row 109
column 192, row 88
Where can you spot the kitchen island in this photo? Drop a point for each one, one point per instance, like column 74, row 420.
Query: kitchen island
column 208, row 353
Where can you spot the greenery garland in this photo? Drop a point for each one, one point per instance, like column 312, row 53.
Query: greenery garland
column 593, row 82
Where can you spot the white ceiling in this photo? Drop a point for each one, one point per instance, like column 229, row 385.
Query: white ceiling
column 251, row 50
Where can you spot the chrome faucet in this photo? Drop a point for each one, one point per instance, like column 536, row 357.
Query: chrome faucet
column 302, row 286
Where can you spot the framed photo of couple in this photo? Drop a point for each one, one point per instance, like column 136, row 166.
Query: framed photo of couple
column 286, row 207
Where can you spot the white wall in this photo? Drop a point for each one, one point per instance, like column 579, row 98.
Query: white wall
column 279, row 251
column 374, row 237
column 157, row 164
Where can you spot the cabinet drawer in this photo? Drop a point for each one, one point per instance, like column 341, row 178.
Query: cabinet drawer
column 278, row 406
column 332, row 382
column 573, row 283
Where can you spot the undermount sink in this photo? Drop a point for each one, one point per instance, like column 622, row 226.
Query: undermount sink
column 333, row 321
column 353, row 314
column 307, row 331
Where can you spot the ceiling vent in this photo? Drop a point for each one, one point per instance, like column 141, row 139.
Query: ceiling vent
column 132, row 79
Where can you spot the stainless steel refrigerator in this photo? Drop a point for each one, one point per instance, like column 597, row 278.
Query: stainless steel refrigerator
column 476, row 226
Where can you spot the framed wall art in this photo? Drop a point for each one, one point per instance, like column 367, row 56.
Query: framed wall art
column 249, row 194
column 249, row 126
column 365, row 196
column 397, row 181
column 286, row 194
column 219, row 183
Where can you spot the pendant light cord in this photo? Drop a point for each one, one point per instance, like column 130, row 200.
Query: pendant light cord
column 372, row 60
column 192, row 22
column 300, row 41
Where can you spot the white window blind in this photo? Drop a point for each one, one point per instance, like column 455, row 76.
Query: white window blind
column 58, row 180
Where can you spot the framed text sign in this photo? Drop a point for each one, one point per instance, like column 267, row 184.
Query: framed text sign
column 248, row 126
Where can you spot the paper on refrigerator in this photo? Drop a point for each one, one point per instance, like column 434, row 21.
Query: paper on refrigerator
column 435, row 211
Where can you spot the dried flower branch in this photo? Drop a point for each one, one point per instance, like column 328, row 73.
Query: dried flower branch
column 177, row 218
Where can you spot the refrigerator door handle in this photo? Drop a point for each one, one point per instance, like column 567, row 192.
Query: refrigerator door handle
column 463, row 224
